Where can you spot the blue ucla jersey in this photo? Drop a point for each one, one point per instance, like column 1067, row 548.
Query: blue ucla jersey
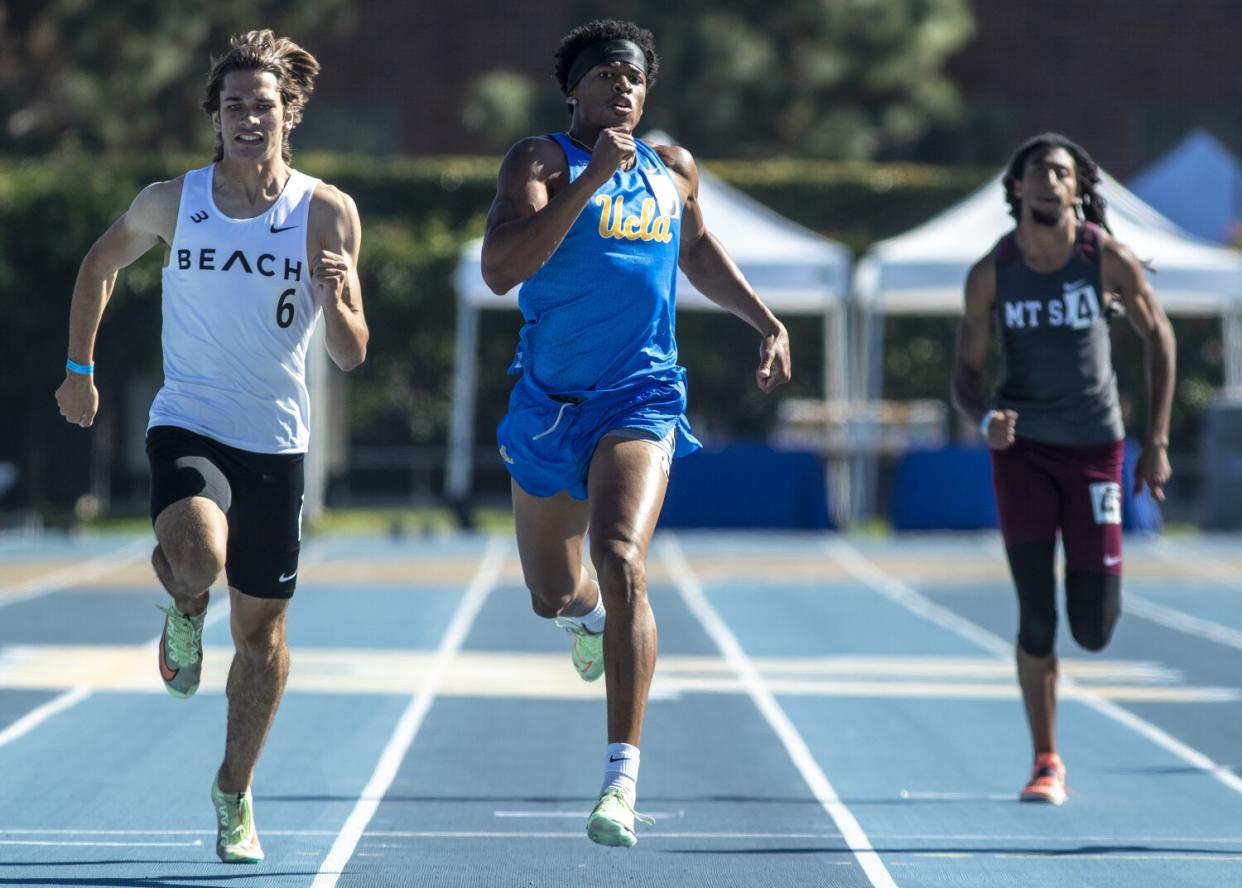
column 600, row 312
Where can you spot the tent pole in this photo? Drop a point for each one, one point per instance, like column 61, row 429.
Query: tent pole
column 459, row 470
column 1231, row 335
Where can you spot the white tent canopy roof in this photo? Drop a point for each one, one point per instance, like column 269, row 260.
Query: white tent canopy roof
column 792, row 268
column 923, row 270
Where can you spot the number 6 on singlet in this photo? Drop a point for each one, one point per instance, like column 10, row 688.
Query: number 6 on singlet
column 284, row 309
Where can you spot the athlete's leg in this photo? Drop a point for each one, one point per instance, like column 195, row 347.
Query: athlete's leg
column 255, row 684
column 1028, row 503
column 627, row 483
column 192, row 539
column 1091, row 522
column 550, row 531
column 1031, row 565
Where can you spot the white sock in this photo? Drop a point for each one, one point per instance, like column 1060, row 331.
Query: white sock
column 621, row 770
column 593, row 622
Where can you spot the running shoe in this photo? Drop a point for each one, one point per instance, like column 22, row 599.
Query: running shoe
column 588, row 650
column 612, row 821
column 181, row 651
column 236, row 838
column 1047, row 782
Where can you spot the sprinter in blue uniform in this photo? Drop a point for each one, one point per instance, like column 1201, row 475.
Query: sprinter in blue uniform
column 594, row 224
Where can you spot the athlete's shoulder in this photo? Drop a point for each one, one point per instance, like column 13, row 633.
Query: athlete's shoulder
column 1005, row 251
column 1112, row 249
column 539, row 155
column 676, row 158
column 329, row 200
column 981, row 281
column 333, row 219
column 155, row 207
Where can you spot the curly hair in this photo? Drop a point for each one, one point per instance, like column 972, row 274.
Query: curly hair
column 597, row 32
column 293, row 67
column 1088, row 174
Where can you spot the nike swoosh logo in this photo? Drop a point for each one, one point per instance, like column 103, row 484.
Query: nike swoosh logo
column 285, row 579
column 276, row 230
column 168, row 673
column 616, row 758
column 1112, row 560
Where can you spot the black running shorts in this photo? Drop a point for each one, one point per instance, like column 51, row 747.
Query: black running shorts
column 259, row 493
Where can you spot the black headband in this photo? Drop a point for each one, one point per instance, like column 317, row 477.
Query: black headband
column 618, row 50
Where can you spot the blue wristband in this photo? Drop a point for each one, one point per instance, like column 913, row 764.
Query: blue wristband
column 80, row 369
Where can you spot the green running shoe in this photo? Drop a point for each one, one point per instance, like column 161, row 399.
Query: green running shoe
column 588, row 651
column 612, row 821
column 181, row 651
column 236, row 838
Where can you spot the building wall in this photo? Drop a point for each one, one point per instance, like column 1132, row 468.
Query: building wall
column 407, row 66
column 1127, row 78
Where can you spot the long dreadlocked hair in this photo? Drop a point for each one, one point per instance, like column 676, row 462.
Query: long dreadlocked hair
column 1093, row 205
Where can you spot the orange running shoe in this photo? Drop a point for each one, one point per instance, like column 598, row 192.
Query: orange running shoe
column 1047, row 782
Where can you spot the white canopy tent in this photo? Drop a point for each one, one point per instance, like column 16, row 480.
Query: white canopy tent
column 793, row 269
column 922, row 272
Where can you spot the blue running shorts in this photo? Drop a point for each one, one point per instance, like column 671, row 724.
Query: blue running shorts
column 547, row 441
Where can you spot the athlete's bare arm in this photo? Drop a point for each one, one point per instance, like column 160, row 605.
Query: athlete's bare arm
column 335, row 238
column 974, row 340
column 535, row 205
column 1123, row 274
column 150, row 219
column 716, row 276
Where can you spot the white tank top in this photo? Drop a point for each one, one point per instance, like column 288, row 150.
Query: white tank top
column 238, row 317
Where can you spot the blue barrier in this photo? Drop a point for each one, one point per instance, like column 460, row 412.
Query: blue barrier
column 945, row 489
column 951, row 489
column 747, row 485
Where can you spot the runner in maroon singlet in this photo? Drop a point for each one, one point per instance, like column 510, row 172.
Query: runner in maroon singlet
column 1055, row 432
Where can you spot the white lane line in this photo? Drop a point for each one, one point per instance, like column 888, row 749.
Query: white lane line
column 73, row 574
column 40, row 714
column 1183, row 555
column 195, row 844
column 577, row 834
column 579, row 815
column 957, row 796
column 866, row 571
column 76, row 695
column 412, row 718
column 691, row 591
column 1025, row 839
column 1073, row 856
column 1181, row 621
column 217, row 611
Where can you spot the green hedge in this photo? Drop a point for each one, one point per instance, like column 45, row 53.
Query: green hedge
column 416, row 215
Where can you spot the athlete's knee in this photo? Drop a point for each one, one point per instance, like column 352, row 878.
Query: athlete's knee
column 1093, row 604
column 548, row 601
column 1037, row 637
column 260, row 640
column 194, row 564
column 1031, row 565
column 622, row 570
column 551, row 593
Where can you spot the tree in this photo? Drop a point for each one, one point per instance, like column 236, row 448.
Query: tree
column 125, row 76
column 842, row 79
